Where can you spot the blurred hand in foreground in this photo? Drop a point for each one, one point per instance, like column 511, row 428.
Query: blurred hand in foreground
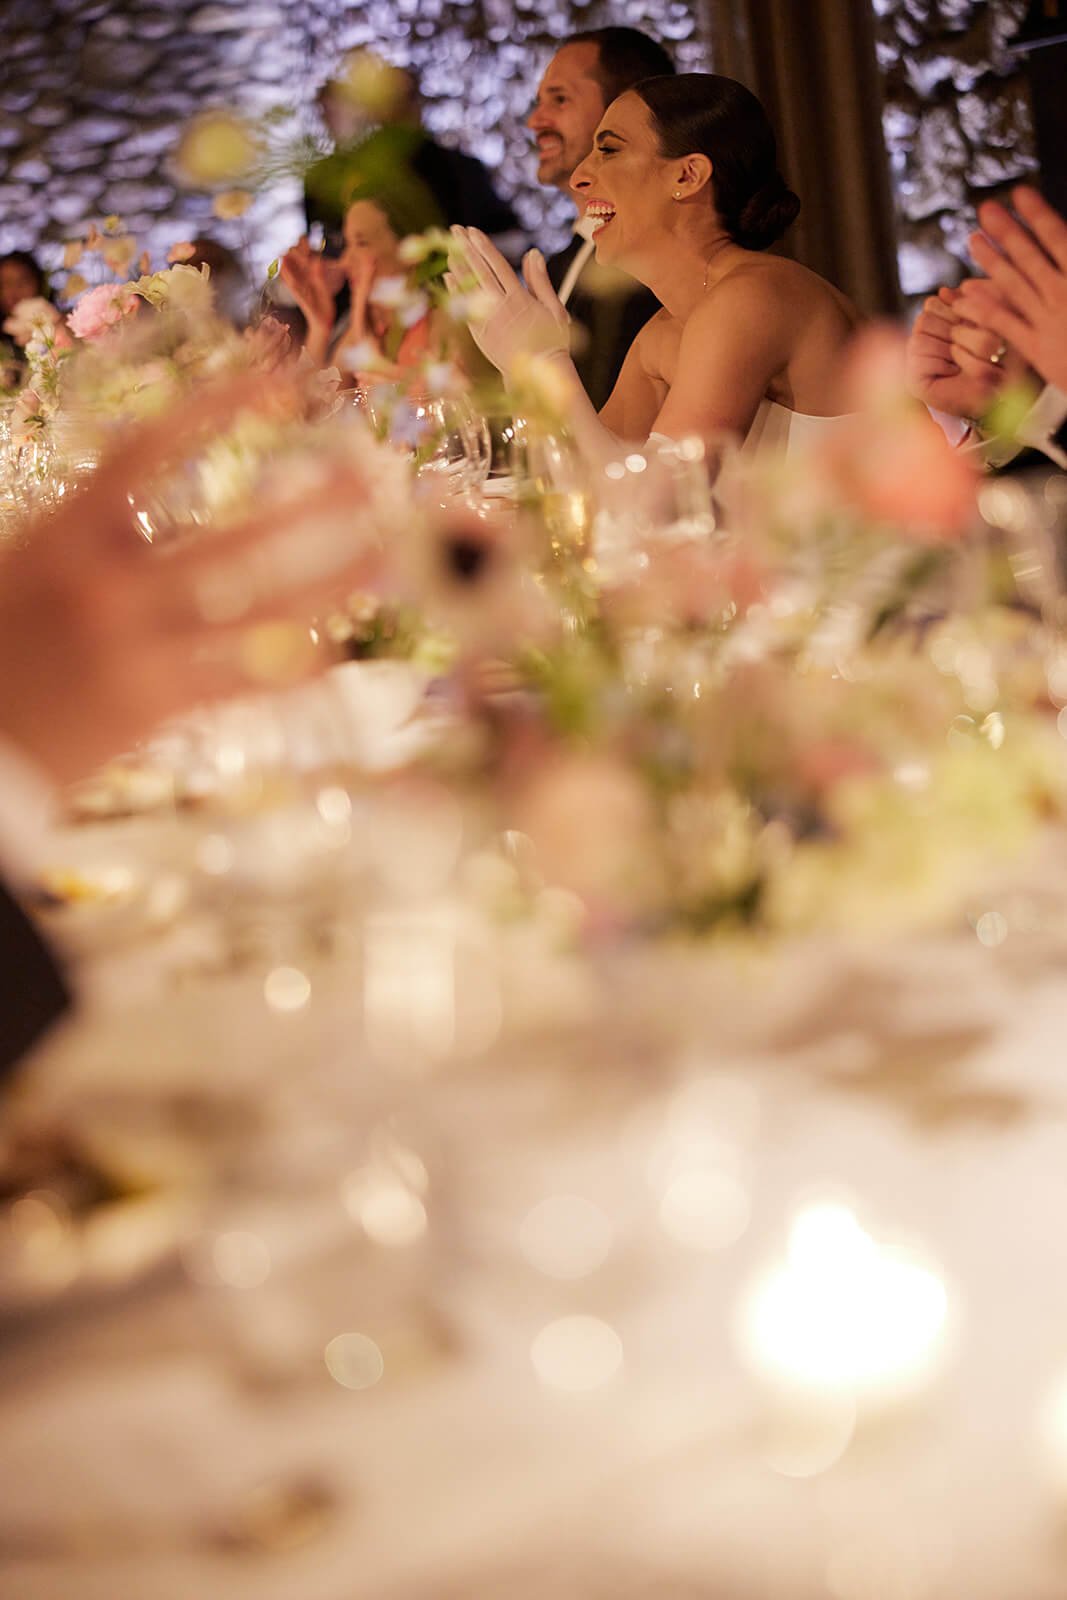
column 102, row 637
column 268, row 343
column 1022, row 301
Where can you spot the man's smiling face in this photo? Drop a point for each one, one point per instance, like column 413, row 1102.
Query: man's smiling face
column 569, row 104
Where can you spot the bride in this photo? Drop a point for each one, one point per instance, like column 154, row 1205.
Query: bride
column 683, row 190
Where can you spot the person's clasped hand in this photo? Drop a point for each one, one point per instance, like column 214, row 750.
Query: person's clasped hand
column 522, row 318
column 1023, row 298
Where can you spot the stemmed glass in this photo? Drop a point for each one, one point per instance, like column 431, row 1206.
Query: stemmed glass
column 552, row 480
column 447, row 442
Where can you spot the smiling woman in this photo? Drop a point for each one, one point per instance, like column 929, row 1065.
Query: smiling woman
column 684, row 187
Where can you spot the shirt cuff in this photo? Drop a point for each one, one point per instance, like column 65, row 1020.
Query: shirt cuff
column 1044, row 418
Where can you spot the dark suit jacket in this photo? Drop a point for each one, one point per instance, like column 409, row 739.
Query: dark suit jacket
column 33, row 991
column 609, row 324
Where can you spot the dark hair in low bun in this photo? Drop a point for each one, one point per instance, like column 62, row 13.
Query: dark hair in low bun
column 701, row 112
column 766, row 216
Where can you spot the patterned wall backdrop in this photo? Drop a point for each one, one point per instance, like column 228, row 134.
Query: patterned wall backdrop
column 93, row 92
column 957, row 123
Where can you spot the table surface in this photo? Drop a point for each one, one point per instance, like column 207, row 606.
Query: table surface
column 167, row 1433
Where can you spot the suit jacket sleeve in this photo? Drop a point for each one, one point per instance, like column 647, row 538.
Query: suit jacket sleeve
column 33, row 990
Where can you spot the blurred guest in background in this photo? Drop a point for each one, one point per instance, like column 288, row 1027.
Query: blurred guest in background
column 229, row 281
column 21, row 278
column 580, row 81
column 448, row 185
column 372, row 338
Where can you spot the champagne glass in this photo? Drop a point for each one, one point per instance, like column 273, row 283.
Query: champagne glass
column 553, row 482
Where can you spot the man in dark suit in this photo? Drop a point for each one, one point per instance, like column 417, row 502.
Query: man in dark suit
column 584, row 76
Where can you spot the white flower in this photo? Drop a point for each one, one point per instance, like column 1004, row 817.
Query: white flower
column 362, row 357
column 412, row 311
column 417, row 247
column 32, row 316
column 390, row 292
column 441, row 378
column 28, row 416
column 177, row 288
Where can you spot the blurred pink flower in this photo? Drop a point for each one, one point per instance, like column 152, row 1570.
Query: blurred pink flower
column 889, row 459
column 825, row 763
column 691, row 585
column 100, row 309
column 590, row 821
column 903, row 472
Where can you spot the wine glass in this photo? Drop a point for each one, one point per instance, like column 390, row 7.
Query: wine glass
column 446, row 441
column 553, row 481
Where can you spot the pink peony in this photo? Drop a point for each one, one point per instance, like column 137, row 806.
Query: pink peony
column 100, row 309
column 888, row 458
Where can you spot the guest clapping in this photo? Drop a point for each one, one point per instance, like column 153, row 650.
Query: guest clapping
column 1023, row 298
column 389, row 338
column 967, row 344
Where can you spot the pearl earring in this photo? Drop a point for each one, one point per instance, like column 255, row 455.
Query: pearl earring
column 677, row 194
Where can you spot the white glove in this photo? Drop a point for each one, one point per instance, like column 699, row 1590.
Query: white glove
column 520, row 320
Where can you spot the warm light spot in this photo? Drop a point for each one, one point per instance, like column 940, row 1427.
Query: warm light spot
column 991, row 929
column 286, row 989
column 565, row 1236
column 576, row 1354
column 214, row 855
column 354, row 1361
column 843, row 1312
column 334, row 806
column 704, row 1210
column 235, row 1259
column 386, row 1209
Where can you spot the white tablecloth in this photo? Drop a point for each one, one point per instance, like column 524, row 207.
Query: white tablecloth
column 168, row 1436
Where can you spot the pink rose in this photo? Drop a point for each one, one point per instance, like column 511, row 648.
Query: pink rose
column 102, row 308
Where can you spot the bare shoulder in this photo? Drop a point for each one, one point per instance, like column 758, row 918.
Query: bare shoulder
column 657, row 339
column 783, row 290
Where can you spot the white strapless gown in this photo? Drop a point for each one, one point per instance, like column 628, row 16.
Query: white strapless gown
column 776, row 428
